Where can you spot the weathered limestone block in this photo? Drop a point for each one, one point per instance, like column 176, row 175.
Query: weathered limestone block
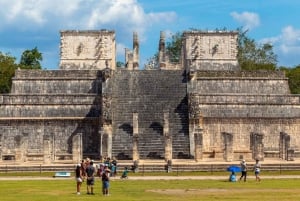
column 210, row 51
column 77, row 148
column 135, row 143
column 85, row 50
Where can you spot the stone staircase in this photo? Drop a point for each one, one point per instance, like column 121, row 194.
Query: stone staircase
column 150, row 93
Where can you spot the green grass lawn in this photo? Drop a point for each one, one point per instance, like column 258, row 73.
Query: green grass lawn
column 154, row 190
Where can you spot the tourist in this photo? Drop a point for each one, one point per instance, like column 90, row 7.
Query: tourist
column 105, row 181
column 243, row 170
column 114, row 162
column 79, row 177
column 90, row 174
column 256, row 168
column 83, row 169
column 125, row 173
column 232, row 177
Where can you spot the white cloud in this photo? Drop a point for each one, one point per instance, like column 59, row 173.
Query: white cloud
column 80, row 14
column 247, row 19
column 286, row 45
column 291, row 36
column 48, row 16
column 29, row 13
column 288, row 42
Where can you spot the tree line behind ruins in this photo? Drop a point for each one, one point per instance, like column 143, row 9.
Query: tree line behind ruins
column 251, row 56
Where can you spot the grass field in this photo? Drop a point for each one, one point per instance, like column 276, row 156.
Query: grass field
column 154, row 190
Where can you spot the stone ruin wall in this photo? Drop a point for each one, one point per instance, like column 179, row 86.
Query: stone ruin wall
column 238, row 107
column 46, row 111
column 25, row 139
column 87, row 50
column 241, row 130
column 57, row 115
column 210, row 50
column 242, row 82
column 56, row 82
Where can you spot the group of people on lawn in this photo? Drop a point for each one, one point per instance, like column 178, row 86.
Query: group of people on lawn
column 87, row 170
column 243, row 164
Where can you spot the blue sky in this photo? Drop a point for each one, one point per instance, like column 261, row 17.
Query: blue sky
column 26, row 24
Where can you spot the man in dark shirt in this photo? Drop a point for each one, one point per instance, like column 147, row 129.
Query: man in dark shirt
column 90, row 174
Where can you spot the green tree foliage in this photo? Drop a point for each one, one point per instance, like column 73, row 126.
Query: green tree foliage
column 174, row 47
column 294, row 78
column 7, row 71
column 120, row 64
column 30, row 59
column 252, row 56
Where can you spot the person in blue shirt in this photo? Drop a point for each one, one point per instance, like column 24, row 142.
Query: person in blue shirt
column 232, row 177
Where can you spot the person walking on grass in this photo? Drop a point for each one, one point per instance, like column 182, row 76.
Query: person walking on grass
column 257, row 167
column 243, row 170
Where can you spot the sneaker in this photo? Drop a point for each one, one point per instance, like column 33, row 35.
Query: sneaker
column 78, row 193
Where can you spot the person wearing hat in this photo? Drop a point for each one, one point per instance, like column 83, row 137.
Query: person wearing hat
column 79, row 177
column 105, row 181
column 243, row 170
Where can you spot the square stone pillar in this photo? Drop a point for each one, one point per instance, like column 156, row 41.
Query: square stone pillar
column 135, row 140
column 228, row 146
column 47, row 149
column 198, row 137
column 168, row 138
column 21, row 147
column 106, row 139
column 1, row 141
column 77, row 148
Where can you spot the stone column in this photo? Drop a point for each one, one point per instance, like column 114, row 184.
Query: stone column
column 257, row 146
column 77, row 154
column 47, row 149
column 1, row 147
column 228, row 146
column 198, row 137
column 18, row 150
column 100, row 132
column 168, row 138
column 135, row 151
column 104, row 137
column 106, row 140
column 21, row 148
column 109, row 142
column 136, row 47
column 162, row 51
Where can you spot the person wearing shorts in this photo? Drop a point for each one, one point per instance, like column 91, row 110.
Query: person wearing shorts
column 79, row 178
column 90, row 178
column 105, row 181
column 257, row 167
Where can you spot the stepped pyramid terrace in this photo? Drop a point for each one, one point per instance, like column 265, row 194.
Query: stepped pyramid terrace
column 202, row 108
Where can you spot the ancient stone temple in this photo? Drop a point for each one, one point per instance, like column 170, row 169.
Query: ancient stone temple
column 203, row 108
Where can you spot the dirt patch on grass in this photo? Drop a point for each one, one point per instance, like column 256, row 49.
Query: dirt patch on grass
column 217, row 191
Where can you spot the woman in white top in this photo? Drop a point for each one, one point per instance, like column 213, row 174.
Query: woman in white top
column 257, row 167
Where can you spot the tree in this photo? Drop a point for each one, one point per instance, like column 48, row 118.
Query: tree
column 30, row 59
column 120, row 64
column 294, row 78
column 174, row 47
column 7, row 71
column 253, row 56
